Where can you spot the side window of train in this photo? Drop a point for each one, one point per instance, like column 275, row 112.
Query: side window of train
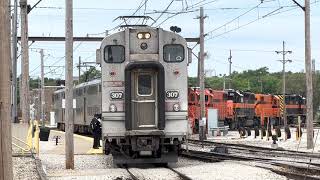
column 206, row 98
column 173, row 53
column 92, row 90
column 192, row 97
column 114, row 54
column 225, row 97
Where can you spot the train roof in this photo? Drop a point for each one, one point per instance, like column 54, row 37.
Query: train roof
column 93, row 82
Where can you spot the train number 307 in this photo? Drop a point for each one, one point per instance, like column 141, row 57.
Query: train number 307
column 116, row 95
column 172, row 94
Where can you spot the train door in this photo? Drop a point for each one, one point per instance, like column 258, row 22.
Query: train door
column 144, row 99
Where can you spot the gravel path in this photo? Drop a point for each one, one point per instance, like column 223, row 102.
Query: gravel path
column 24, row 168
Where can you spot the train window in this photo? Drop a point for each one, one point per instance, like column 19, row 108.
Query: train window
column 114, row 54
column 92, row 90
column 145, row 85
column 192, row 97
column 225, row 96
column 79, row 92
column 173, row 53
column 206, row 97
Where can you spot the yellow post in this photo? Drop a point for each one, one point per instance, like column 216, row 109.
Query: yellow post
column 36, row 137
column 29, row 136
column 298, row 133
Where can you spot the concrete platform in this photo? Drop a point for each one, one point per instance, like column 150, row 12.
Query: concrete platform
column 82, row 144
column 19, row 132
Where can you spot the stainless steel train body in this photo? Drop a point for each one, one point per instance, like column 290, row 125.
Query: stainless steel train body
column 144, row 95
column 87, row 99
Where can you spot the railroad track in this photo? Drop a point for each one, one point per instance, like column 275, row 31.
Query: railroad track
column 141, row 176
column 250, row 148
column 289, row 169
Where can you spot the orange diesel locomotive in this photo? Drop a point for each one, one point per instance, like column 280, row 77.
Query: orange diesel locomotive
column 245, row 109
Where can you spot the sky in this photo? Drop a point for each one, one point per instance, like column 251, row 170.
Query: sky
column 252, row 30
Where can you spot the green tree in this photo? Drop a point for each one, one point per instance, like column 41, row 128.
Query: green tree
column 89, row 75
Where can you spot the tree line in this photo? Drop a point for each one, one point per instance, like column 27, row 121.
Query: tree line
column 263, row 81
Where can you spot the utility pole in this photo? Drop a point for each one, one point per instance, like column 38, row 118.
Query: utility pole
column 198, row 73
column 284, row 61
column 42, row 107
column 230, row 62
column 5, row 102
column 79, row 68
column 14, row 62
column 69, row 84
column 309, row 85
column 308, row 76
column 314, row 83
column 202, row 133
column 224, row 82
column 24, row 90
column 261, row 86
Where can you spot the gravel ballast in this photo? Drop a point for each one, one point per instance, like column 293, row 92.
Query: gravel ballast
column 24, row 168
column 100, row 167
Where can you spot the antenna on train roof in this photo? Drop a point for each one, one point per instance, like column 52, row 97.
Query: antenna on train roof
column 127, row 18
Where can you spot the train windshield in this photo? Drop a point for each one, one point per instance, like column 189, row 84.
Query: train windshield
column 173, row 53
column 114, row 54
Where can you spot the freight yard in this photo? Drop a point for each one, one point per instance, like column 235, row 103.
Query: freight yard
column 159, row 90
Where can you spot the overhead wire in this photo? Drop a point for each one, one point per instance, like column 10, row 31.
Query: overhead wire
column 116, row 27
column 273, row 13
column 188, row 9
column 162, row 13
column 234, row 19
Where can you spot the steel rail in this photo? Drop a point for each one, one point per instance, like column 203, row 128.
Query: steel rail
column 258, row 149
column 288, row 170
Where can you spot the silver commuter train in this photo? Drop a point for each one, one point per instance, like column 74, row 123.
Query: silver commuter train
column 88, row 103
column 143, row 95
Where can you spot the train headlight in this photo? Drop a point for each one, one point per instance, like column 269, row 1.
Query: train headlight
column 143, row 35
column 147, row 35
column 176, row 107
column 140, row 36
column 112, row 108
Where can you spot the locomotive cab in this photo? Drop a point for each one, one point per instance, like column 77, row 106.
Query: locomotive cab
column 144, row 95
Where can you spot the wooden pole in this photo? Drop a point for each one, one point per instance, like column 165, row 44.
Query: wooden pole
column 69, row 85
column 5, row 101
column 202, row 134
column 42, row 116
column 308, row 76
column 230, row 63
column 14, row 63
column 79, row 69
column 24, row 90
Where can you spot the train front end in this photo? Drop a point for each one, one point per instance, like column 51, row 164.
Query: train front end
column 144, row 95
